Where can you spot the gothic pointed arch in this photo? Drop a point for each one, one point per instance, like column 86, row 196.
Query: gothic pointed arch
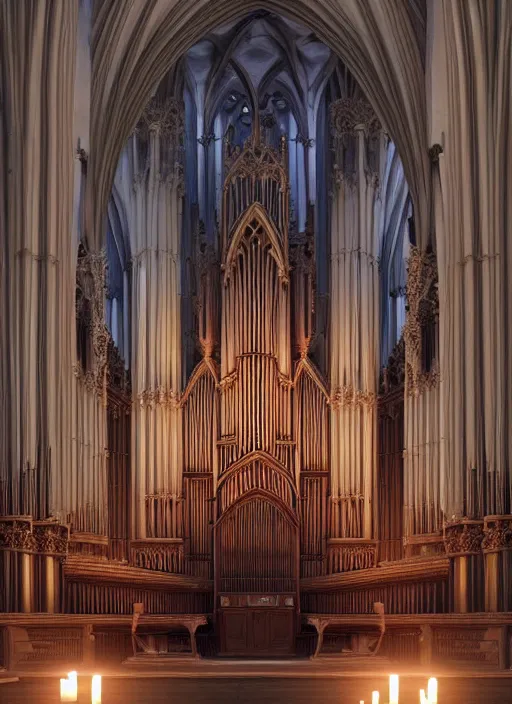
column 255, row 225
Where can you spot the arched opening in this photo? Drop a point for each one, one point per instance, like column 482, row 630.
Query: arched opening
column 257, row 561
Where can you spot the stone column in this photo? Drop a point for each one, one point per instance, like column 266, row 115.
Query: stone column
column 463, row 544
column 497, row 547
column 19, row 544
column 27, row 582
column 51, row 542
column 422, row 429
column 50, row 591
column 359, row 146
column 472, row 209
column 36, row 249
column 157, row 378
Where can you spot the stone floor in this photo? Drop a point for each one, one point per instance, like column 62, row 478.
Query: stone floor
column 252, row 690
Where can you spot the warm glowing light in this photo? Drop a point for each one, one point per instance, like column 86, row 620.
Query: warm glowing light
column 432, row 691
column 96, row 689
column 375, row 698
column 393, row 689
column 69, row 688
column 423, row 697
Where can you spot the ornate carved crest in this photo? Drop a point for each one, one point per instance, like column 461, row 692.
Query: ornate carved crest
column 91, row 281
column 17, row 534
column 256, row 162
column 349, row 114
column 228, row 381
column 165, row 117
column 118, row 377
column 22, row 535
column 393, row 374
column 463, row 538
column 159, row 396
column 51, row 538
column 349, row 397
column 422, row 308
column 497, row 533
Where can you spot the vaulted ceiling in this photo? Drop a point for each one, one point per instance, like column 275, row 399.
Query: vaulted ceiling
column 135, row 44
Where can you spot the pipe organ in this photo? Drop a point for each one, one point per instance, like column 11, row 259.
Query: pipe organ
column 259, row 415
column 225, row 499
column 261, row 399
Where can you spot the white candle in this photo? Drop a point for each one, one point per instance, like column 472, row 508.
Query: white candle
column 65, row 691
column 393, row 689
column 375, row 698
column 96, row 689
column 69, row 688
column 432, row 691
column 423, row 698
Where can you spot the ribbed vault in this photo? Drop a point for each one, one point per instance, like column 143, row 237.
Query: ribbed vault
column 134, row 44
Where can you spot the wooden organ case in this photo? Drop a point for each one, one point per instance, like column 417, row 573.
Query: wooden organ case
column 253, row 406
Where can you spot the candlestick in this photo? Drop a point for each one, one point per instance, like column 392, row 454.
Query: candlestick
column 96, row 689
column 69, row 688
column 375, row 697
column 432, row 691
column 393, row 689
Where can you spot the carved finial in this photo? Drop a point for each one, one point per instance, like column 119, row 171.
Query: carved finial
column 434, row 152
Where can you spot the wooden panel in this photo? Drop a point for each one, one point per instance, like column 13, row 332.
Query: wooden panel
column 257, row 632
column 257, row 549
column 234, row 629
column 281, row 631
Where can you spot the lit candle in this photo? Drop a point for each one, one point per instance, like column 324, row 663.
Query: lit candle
column 96, row 689
column 432, row 691
column 393, row 689
column 375, row 698
column 423, row 698
column 69, row 688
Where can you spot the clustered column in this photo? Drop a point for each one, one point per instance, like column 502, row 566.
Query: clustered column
column 473, row 210
column 359, row 146
column 155, row 238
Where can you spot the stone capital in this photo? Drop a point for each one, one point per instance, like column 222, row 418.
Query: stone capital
column 351, row 115
column 497, row 533
column 463, row 538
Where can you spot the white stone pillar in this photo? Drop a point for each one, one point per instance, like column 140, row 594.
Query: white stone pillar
column 354, row 315
column 37, row 276
column 155, row 232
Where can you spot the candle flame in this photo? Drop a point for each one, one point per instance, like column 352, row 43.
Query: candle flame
column 69, row 688
column 96, row 689
column 393, row 689
column 432, row 691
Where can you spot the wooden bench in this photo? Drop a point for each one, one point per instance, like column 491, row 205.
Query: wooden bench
column 144, row 647
column 364, row 643
column 28, row 646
